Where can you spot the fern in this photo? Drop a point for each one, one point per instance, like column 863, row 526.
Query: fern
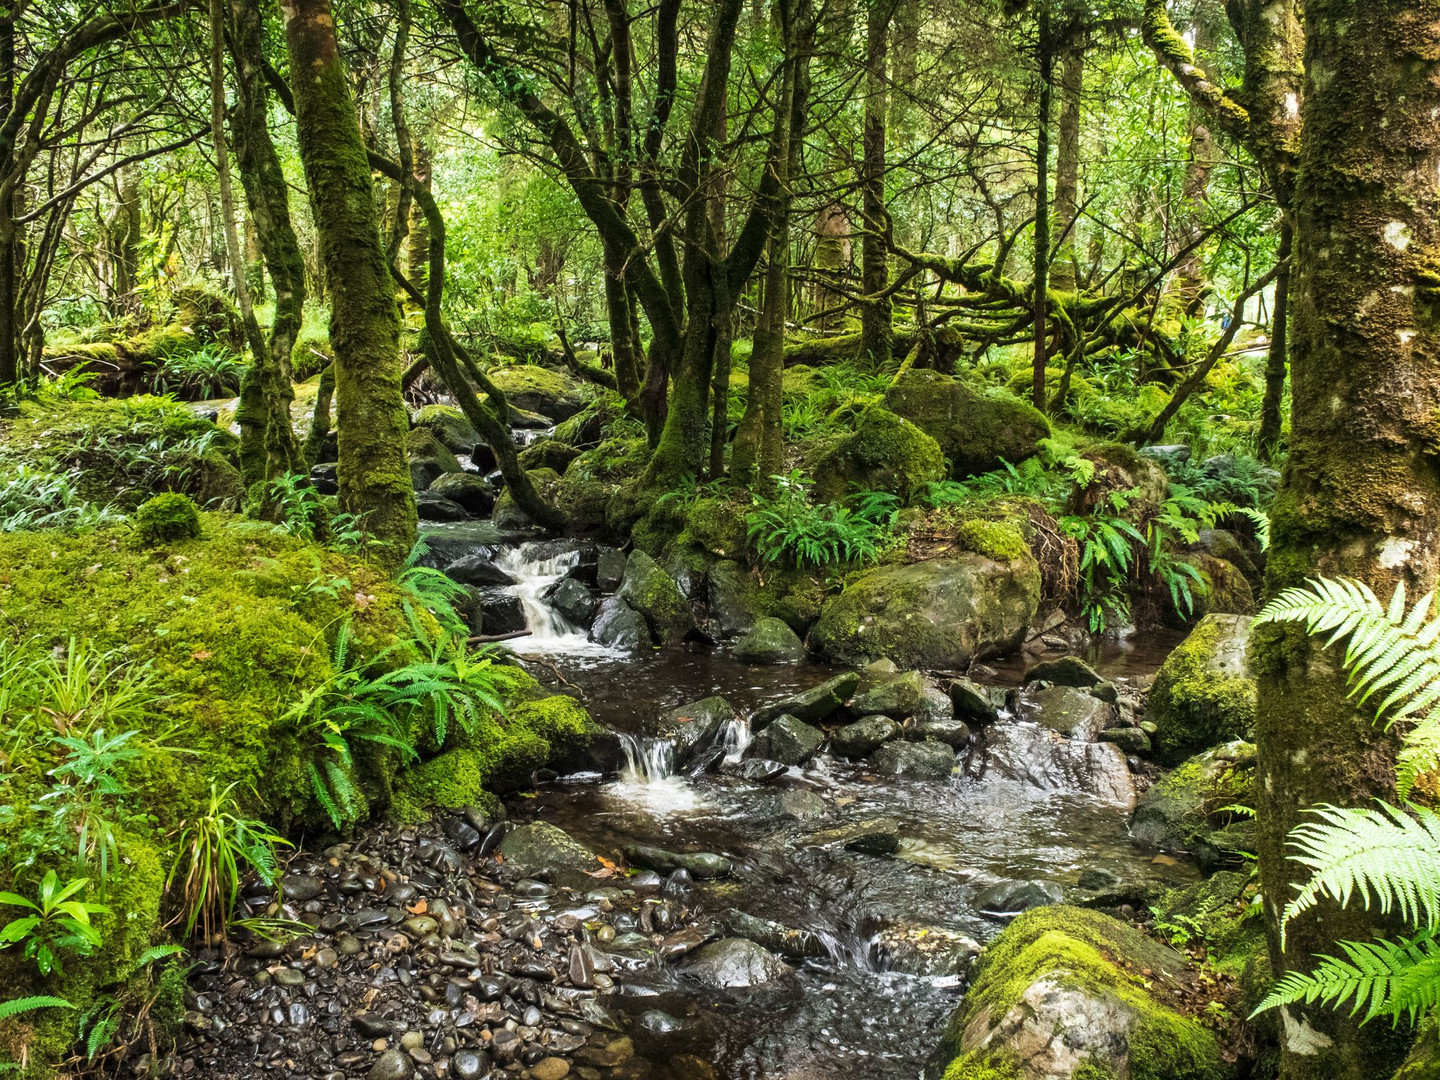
column 1384, row 978
column 1389, row 653
column 30, row 1004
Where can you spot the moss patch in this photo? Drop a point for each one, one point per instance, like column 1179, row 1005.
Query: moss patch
column 166, row 518
column 884, row 452
column 1202, row 694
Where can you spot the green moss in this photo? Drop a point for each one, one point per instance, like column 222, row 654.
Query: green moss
column 165, row 519
column 975, row 430
column 1194, row 705
column 884, row 452
column 507, row 515
column 159, row 342
column 449, row 425
column 598, row 489
column 523, row 380
column 998, row 540
column 717, row 526
column 422, row 446
column 971, row 1066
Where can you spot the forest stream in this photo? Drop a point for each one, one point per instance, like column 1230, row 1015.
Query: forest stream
column 867, row 947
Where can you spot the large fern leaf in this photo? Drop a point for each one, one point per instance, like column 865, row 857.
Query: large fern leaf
column 1388, row 858
column 29, row 1004
column 1390, row 653
column 1399, row 979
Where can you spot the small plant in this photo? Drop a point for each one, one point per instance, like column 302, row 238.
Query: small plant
column 301, row 509
column 1384, row 857
column 166, row 519
column 788, row 527
column 57, row 922
column 209, row 371
column 214, row 849
column 85, row 799
column 32, row 498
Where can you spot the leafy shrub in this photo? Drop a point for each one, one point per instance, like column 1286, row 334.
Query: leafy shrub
column 57, row 922
column 165, row 519
column 209, row 371
column 32, row 498
column 789, row 528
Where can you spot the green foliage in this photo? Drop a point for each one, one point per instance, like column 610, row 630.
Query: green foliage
column 214, row 850
column 1387, row 858
column 32, row 498
column 165, row 519
column 789, row 528
column 209, row 371
column 18, row 1006
column 57, row 922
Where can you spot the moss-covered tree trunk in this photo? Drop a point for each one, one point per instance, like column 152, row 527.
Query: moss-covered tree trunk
column 371, row 422
column 268, row 447
column 1361, row 490
column 1040, row 292
column 876, row 329
column 1065, row 270
column 1277, row 357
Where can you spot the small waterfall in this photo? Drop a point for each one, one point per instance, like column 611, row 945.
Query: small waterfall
column 647, row 761
column 734, row 740
column 534, row 572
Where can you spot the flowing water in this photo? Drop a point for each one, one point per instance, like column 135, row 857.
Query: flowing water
column 854, row 1009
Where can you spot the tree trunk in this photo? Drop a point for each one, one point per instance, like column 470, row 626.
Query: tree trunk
column 876, row 331
column 1042, row 214
column 268, row 447
column 1067, row 169
column 1360, row 495
column 720, row 380
column 374, row 471
column 832, row 256
column 1268, row 437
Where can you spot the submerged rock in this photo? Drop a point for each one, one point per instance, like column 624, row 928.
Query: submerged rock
column 933, row 615
column 732, row 963
column 1055, row 997
column 542, row 846
column 1203, row 694
column 953, row 733
column 870, row 836
column 774, row 936
column 788, row 741
column 918, row 760
column 812, row 706
column 931, row 951
column 769, row 641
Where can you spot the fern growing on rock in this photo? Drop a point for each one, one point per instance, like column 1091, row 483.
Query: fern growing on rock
column 1386, row 858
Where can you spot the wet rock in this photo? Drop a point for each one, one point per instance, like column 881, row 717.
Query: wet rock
column 1041, row 759
column 760, row 770
column 735, row 962
column 898, row 697
column 500, row 611
column 656, row 1023
column 550, row 1068
column 953, row 733
column 1064, row 671
column 1130, row 739
column 393, row 1065
column 788, row 741
column 477, row 570
column 972, row 702
column 864, row 737
column 931, row 951
column 654, row 594
column 870, row 836
column 731, row 596
column 802, row 804
column 918, row 760
column 609, row 568
column 691, row 728
column 935, row 615
column 542, row 846
column 1066, row 710
column 769, row 641
column 776, row 937
column 1181, row 811
column 573, row 601
column 1011, row 897
column 461, row 833
column 934, row 705
column 619, row 626
column 468, row 489
column 698, row 864
column 812, row 706
column 469, row 1065
column 300, row 887
column 432, row 506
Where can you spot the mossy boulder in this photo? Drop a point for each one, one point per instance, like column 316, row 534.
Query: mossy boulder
column 738, row 596
column 1223, row 589
column 717, row 526
column 1203, row 694
column 165, row 519
column 121, row 452
column 470, row 490
column 1124, row 470
column 884, row 452
column 429, row 457
column 1067, row 992
column 507, row 515
column 1188, row 808
column 653, row 593
column 931, row 615
column 450, row 426
column 769, row 641
column 975, row 430
column 548, row 454
column 540, row 390
column 594, row 487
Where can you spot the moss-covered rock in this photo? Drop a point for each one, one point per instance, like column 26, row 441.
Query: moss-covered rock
column 1222, row 913
column 769, row 641
column 429, row 457
column 540, row 390
column 450, row 426
column 1067, row 992
column 884, row 452
column 1121, row 469
column 507, row 515
column 166, row 518
column 548, row 454
column 975, row 430
column 1223, row 589
column 717, row 526
column 1203, row 694
column 934, row 615
column 595, row 485
column 653, row 593
column 1186, row 810
column 122, row 452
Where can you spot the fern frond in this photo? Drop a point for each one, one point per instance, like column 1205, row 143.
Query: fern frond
column 1390, row 859
column 30, row 1004
column 1382, row 978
